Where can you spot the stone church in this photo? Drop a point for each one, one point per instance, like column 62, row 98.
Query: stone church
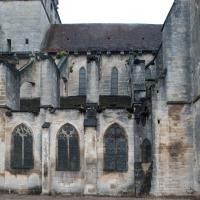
column 99, row 109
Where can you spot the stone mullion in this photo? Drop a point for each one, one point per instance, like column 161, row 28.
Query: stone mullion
column 22, row 151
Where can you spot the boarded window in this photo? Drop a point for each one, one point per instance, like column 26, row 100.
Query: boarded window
column 68, row 158
column 115, row 149
column 82, row 81
column 114, row 81
column 22, row 149
column 146, row 151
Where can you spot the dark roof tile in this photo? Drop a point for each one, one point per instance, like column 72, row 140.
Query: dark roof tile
column 103, row 37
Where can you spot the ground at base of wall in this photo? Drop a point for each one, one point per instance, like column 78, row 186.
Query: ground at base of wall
column 59, row 197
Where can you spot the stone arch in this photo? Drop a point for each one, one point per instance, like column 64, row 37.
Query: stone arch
column 115, row 149
column 68, row 150
column 22, row 148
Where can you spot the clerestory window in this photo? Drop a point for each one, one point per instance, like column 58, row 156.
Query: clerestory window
column 82, row 81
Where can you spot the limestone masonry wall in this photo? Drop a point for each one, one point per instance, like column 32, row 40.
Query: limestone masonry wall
column 156, row 104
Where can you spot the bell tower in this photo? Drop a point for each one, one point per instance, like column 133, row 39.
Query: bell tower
column 23, row 24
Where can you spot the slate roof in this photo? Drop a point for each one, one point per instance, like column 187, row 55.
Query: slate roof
column 102, row 37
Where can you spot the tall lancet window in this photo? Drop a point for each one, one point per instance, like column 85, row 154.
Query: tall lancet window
column 115, row 149
column 114, row 81
column 22, row 148
column 82, row 81
column 68, row 158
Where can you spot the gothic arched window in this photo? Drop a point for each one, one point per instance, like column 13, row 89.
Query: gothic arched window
column 82, row 81
column 146, row 151
column 22, row 148
column 114, row 81
column 115, row 149
column 68, row 157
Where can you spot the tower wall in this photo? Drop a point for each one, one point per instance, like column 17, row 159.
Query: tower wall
column 195, row 64
column 173, row 113
column 25, row 24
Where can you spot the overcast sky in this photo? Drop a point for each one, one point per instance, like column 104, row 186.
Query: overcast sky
column 114, row 11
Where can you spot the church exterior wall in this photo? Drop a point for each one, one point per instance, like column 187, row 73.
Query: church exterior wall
column 14, row 181
column 27, row 181
column 157, row 101
column 73, row 66
column 107, row 63
column 91, row 179
column 116, row 184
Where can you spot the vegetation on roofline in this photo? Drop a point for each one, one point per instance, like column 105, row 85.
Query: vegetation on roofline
column 131, row 58
column 61, row 54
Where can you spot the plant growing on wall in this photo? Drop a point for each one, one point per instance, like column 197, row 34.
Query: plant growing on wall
column 131, row 58
column 71, row 68
column 61, row 54
column 129, row 115
column 128, row 61
column 82, row 109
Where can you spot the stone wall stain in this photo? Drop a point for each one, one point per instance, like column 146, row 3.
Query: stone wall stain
column 175, row 112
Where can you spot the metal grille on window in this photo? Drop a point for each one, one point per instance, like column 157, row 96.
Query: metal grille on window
column 68, row 158
column 82, row 81
column 114, row 81
column 115, row 149
column 22, row 149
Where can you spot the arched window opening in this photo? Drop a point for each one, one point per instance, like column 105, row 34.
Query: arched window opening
column 146, row 151
column 22, row 148
column 82, row 81
column 114, row 81
column 115, row 149
column 68, row 156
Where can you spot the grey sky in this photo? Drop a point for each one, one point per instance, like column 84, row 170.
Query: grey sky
column 114, row 11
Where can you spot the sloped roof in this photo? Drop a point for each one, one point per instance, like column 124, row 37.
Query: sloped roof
column 103, row 37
